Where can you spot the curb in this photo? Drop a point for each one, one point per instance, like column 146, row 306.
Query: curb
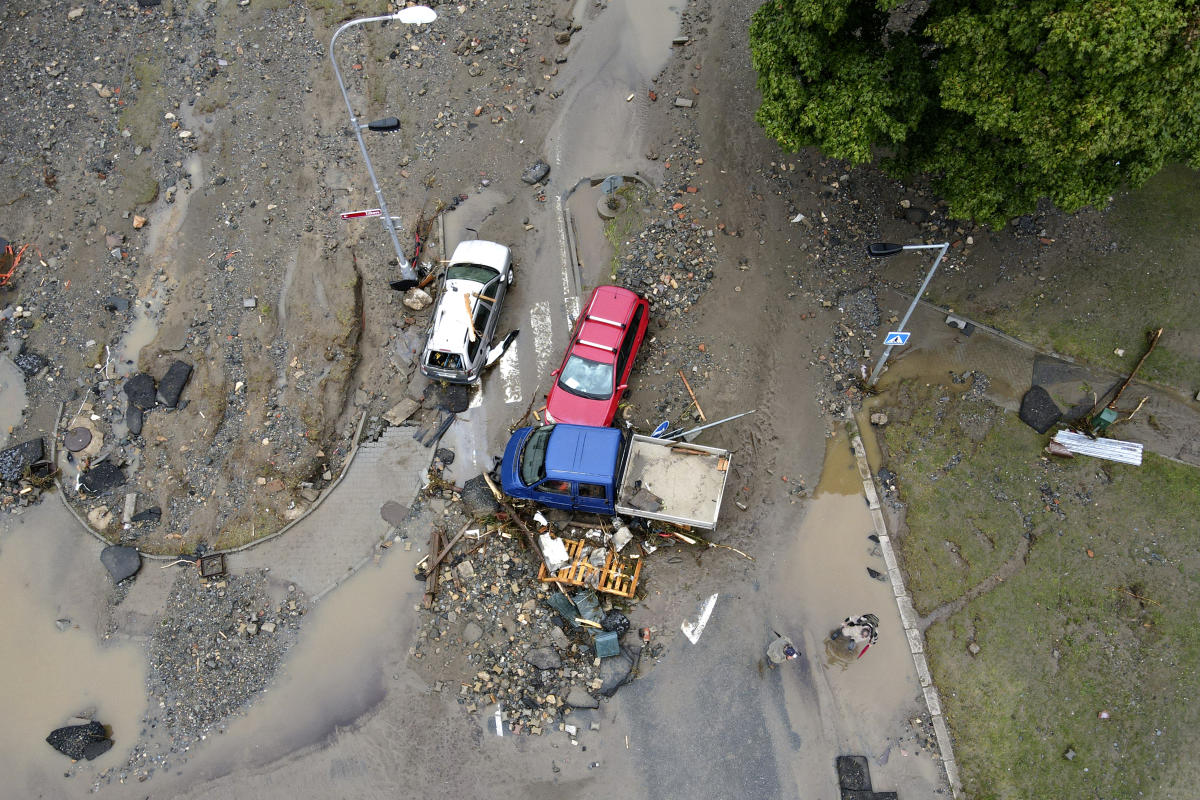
column 62, row 496
column 908, row 617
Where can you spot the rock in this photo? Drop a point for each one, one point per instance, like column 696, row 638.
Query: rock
column 614, row 672
column 120, row 561
column 916, row 215
column 62, row 624
column 544, row 658
column 29, row 363
column 148, row 3
column 73, row 740
column 879, row 418
column 562, row 37
column 139, row 222
column 399, row 413
column 579, row 697
column 465, row 570
column 96, row 748
column 102, row 477
column 100, row 518
column 973, row 649
column 417, row 299
column 16, row 459
column 683, row 102
column 478, row 498
column 152, row 514
column 250, row 302
column 171, row 385
column 134, row 419
column 538, row 171
column 75, row 13
column 114, row 303
column 472, row 633
column 559, row 638
column 445, row 455
column 140, row 391
column 1038, row 410
column 268, row 627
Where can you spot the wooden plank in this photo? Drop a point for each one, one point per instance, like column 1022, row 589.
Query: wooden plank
column 618, row 576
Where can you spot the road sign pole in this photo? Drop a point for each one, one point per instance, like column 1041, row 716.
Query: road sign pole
column 887, row 351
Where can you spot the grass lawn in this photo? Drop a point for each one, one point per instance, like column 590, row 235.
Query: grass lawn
column 1096, row 612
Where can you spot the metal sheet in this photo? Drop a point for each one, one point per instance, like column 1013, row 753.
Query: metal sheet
column 1110, row 449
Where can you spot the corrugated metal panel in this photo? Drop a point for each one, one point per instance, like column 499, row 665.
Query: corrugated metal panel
column 1111, row 449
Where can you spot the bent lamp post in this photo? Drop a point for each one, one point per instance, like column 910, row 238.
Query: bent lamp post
column 414, row 15
column 885, row 249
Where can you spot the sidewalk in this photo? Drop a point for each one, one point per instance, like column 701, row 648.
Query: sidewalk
column 1012, row 367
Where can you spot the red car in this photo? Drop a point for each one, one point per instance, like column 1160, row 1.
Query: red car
column 595, row 372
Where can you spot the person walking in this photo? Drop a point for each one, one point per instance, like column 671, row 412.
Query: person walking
column 861, row 629
column 781, row 650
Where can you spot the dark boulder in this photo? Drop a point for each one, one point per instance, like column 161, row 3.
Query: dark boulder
column 478, row 498
column 140, row 391
column 16, row 459
column 1038, row 410
column 29, row 363
column 97, row 748
column 74, row 741
column 152, row 514
column 134, row 419
column 171, row 385
column 121, row 562
column 115, row 303
column 102, row 477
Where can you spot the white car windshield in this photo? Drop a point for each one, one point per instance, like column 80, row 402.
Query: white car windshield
column 587, row 378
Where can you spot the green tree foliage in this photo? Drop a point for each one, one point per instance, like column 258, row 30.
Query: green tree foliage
column 999, row 103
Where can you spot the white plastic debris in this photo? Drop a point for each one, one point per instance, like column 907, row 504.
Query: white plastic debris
column 554, row 552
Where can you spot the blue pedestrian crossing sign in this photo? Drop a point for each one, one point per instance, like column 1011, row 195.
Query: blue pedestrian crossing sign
column 896, row 337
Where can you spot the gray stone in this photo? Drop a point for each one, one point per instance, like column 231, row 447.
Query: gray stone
column 135, row 418
column 171, row 385
column 29, row 363
column 579, row 697
column 152, row 514
column 120, row 561
column 478, row 498
column 140, row 391
column 614, row 672
column 472, row 633
column 538, row 171
column 16, row 459
column 544, row 658
column 1038, row 409
column 114, row 303
column 465, row 570
column 250, row 302
column 683, row 102
column 559, row 638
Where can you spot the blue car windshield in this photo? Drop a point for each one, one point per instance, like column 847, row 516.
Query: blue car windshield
column 533, row 455
column 587, row 378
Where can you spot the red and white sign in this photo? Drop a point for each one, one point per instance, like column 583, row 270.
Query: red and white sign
column 370, row 212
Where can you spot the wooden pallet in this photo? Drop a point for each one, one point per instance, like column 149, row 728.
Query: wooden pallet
column 618, row 576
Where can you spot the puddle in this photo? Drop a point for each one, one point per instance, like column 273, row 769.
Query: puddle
column 317, row 695
column 48, row 572
column 147, row 312
column 839, row 474
column 12, row 398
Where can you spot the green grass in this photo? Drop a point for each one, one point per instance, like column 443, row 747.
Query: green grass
column 1063, row 638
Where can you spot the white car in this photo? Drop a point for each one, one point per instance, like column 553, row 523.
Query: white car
column 468, row 310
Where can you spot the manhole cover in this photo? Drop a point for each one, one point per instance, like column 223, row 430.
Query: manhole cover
column 77, row 439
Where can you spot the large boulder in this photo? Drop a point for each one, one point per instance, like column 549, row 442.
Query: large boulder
column 171, row 385
column 614, row 672
column 16, row 459
column 1038, row 410
column 134, row 419
column 140, row 391
column 102, row 477
column 478, row 498
column 79, row 741
column 121, row 562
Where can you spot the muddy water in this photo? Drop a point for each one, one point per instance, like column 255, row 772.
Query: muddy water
column 828, row 557
column 12, row 398
column 50, row 572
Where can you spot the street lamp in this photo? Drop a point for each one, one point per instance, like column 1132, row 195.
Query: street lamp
column 413, row 15
column 885, row 249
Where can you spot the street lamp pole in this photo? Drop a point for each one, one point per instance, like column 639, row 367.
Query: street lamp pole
column 884, row 249
column 413, row 15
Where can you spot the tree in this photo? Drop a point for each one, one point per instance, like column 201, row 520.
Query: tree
column 999, row 103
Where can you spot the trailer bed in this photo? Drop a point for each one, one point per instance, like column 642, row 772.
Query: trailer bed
column 673, row 482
